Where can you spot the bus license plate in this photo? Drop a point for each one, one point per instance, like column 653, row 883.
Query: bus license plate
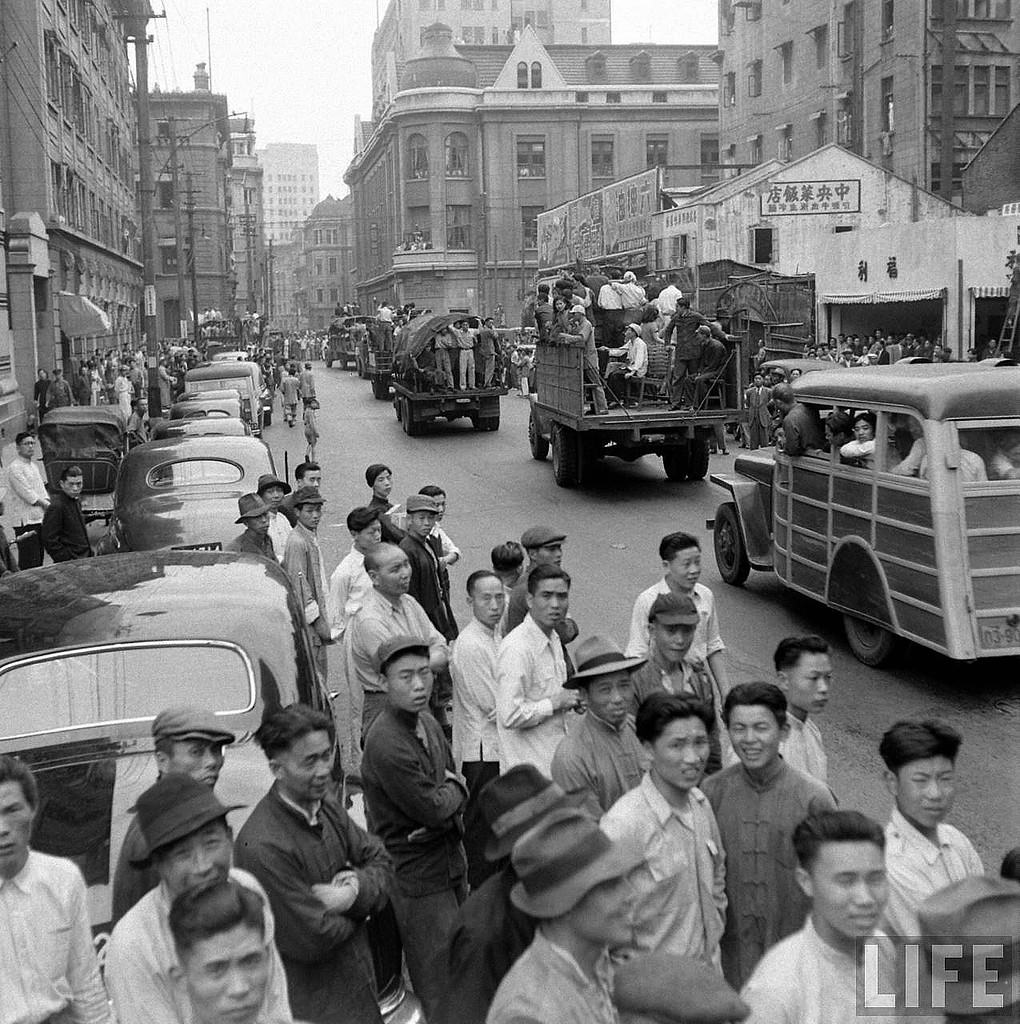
column 998, row 633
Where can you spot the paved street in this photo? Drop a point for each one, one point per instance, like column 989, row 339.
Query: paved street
column 496, row 490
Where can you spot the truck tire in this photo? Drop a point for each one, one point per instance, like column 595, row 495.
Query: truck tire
column 490, row 423
column 675, row 462
column 329, row 363
column 730, row 552
column 380, row 388
column 697, row 458
column 412, row 427
column 566, row 464
column 873, row 645
column 267, row 418
column 538, row 444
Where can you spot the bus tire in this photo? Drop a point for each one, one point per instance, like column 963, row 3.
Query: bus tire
column 730, row 552
column 873, row 645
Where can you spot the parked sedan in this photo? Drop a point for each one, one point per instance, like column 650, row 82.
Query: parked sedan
column 182, row 492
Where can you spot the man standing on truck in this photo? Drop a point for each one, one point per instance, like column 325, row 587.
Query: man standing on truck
column 487, row 352
column 583, row 336
column 687, row 355
column 466, row 344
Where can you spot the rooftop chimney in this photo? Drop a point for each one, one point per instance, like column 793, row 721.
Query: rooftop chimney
column 201, row 78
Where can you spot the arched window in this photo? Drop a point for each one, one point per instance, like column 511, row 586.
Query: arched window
column 641, row 67
column 536, row 75
column 456, row 155
column 596, row 65
column 418, row 157
column 522, row 75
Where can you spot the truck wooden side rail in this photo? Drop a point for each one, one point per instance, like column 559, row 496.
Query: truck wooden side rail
column 562, row 419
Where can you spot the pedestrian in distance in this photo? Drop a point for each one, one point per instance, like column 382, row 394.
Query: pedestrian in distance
column 40, row 393
column 762, row 797
column 254, row 516
column 290, row 391
column 804, row 674
column 190, row 845
column 64, row 532
column 923, row 853
column 415, row 799
column 815, row 973
column 311, row 429
column 759, row 417
column 48, row 965
column 306, row 384
column 474, row 659
column 324, row 875
column 601, row 757
column 60, row 391
column 680, row 889
column 28, row 500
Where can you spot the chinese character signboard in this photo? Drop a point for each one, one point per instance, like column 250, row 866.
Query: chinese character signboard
column 614, row 219
column 786, row 198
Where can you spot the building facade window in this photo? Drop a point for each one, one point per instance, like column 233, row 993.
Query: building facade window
column 821, row 129
column 689, row 68
column 755, row 150
column 168, row 259
column 784, row 148
column 762, row 245
column 656, row 151
column 536, row 75
column 641, row 67
column 529, row 226
column 417, row 157
column 730, row 89
column 456, row 155
column 602, row 162
column 530, row 158
column 419, row 233
column 887, row 19
column 754, row 78
column 458, row 227
column 786, row 62
column 331, row 265
column 888, row 105
column 821, row 37
column 709, row 159
column 660, row 97
column 613, row 97
column 522, row 75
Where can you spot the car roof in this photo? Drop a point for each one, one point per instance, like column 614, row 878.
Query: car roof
column 106, row 414
column 224, row 368
column 793, row 363
column 937, row 391
column 217, row 446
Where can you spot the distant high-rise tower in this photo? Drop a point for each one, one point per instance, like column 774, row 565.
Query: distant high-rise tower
column 290, row 187
column 399, row 36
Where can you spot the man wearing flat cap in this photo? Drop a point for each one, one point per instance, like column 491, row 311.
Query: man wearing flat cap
column 254, row 517
column 543, row 546
column 189, row 843
column 188, row 741
column 302, row 561
column 582, row 336
column 272, row 490
column 601, row 757
column 426, row 577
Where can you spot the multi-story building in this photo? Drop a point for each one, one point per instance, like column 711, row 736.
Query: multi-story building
column 329, row 252
column 400, row 36
column 67, row 130
column 868, row 75
column 479, row 140
column 290, row 187
column 289, row 294
column 200, row 208
column 249, row 250
column 12, row 402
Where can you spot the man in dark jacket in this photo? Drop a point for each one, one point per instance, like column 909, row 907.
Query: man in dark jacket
column 254, row 517
column 687, row 357
column 414, row 799
column 426, row 576
column 60, row 391
column 323, row 874
column 63, row 527
column 543, row 312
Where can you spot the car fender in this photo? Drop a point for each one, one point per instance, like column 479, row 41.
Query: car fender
column 752, row 517
column 857, row 584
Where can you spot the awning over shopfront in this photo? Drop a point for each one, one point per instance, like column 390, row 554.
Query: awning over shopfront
column 873, row 298
column 81, row 317
column 995, row 291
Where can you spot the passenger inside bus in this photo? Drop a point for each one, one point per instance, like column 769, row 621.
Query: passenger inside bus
column 906, row 430
column 838, row 429
column 1004, row 463
column 861, row 450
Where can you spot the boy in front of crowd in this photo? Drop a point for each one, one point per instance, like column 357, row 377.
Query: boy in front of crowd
column 803, row 673
column 923, row 854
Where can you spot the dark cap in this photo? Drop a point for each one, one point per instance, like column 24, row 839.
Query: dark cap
column 268, row 480
column 674, row 608
column 539, row 536
column 175, row 807
column 307, row 496
column 421, row 503
column 184, row 723
column 394, row 645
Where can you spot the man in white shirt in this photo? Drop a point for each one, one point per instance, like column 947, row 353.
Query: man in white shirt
column 923, row 854
column 348, row 587
column 632, row 295
column 48, row 965
column 272, row 491
column 191, row 845
column 473, row 666
column 804, row 673
column 666, row 300
column 27, row 501
column 634, row 354
column 531, row 702
column 812, row 976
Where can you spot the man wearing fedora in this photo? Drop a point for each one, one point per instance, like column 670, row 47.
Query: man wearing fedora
column 414, row 799
column 188, row 741
column 272, row 490
column 302, row 561
column 815, row 975
column 190, row 844
column 254, row 517
column 601, row 757
column 573, row 878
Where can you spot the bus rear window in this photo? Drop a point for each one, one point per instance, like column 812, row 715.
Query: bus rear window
column 194, row 471
column 78, row 690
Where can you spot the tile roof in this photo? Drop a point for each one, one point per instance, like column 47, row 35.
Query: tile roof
column 572, row 61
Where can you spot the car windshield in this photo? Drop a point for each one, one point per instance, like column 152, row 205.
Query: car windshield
column 122, row 684
column 194, row 471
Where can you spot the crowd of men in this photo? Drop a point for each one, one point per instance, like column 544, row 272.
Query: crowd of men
column 562, row 829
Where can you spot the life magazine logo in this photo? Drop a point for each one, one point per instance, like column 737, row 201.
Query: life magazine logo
column 963, row 975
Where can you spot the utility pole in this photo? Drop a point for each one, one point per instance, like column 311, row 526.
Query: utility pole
column 248, row 234
column 193, row 260
column 175, row 184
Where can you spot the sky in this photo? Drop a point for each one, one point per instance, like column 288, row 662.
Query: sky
column 305, row 78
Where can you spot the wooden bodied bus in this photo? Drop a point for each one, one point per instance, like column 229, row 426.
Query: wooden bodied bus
column 921, row 539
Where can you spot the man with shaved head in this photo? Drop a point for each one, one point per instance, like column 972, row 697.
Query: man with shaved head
column 802, row 428
column 387, row 611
